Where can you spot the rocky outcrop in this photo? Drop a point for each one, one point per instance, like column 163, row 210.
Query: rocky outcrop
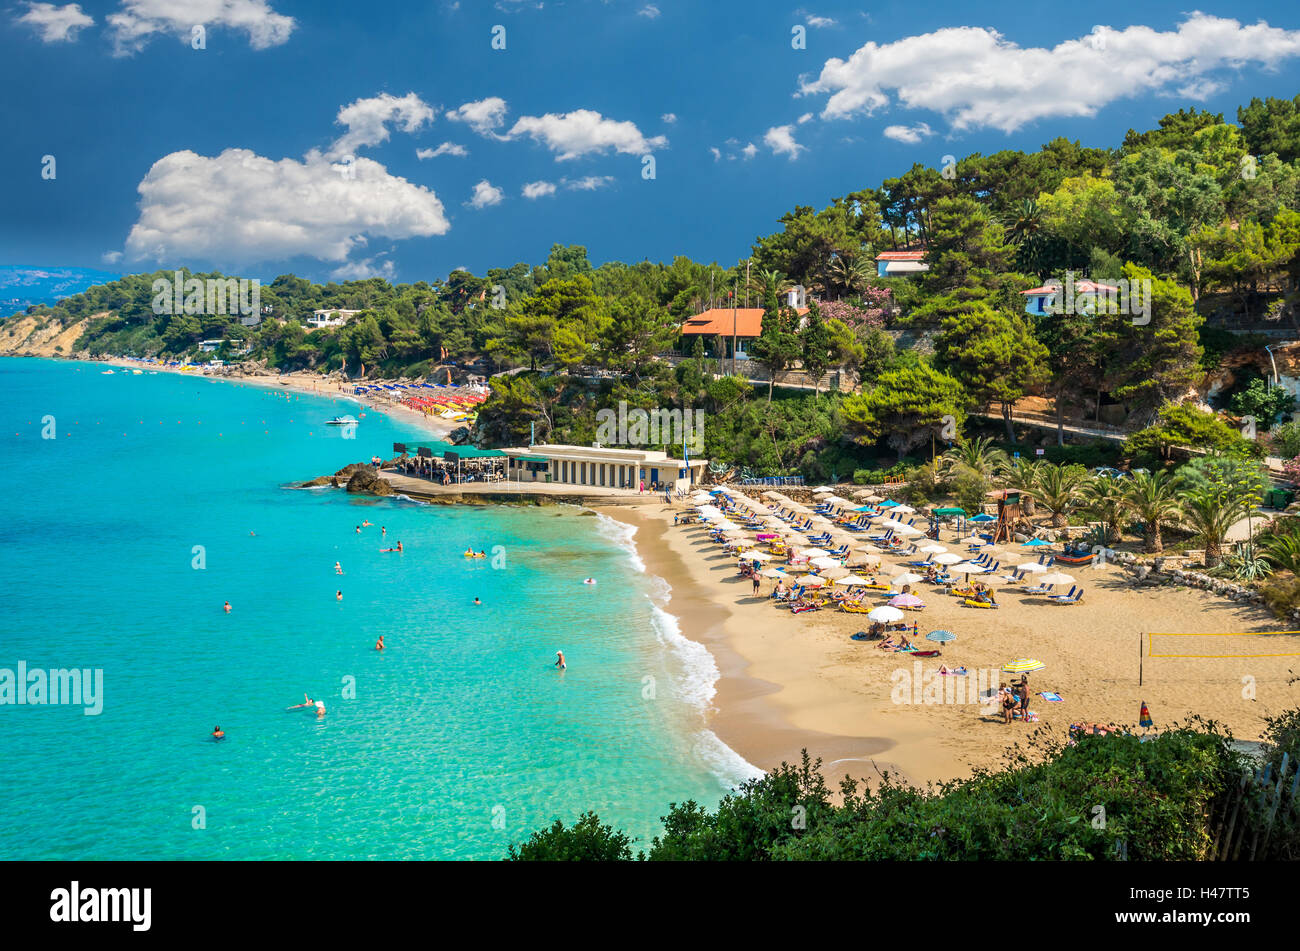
column 366, row 481
column 41, row 336
column 1158, row 573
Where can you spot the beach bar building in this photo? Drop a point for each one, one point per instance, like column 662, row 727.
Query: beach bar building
column 600, row 466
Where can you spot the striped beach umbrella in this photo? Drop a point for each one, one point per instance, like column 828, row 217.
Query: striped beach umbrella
column 1144, row 717
column 1023, row 665
column 942, row 637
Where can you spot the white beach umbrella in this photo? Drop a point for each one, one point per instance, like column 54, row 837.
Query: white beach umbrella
column 849, row 581
column 969, row 568
column 947, row 558
column 909, row 530
column 813, row 581
column 774, row 573
column 814, row 552
column 907, row 577
column 886, row 614
column 1031, row 566
column 904, row 509
column 865, row 558
column 933, row 549
column 755, row 556
column 1056, row 577
column 825, row 562
column 823, row 488
column 835, row 573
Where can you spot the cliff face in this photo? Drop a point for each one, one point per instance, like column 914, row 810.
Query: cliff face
column 40, row 337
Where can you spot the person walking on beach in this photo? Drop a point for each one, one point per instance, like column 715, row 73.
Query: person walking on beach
column 756, row 584
column 559, row 660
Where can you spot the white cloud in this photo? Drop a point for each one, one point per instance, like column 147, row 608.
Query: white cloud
column 975, row 77
column 112, row 257
column 367, row 120
column 668, row 117
column 590, row 183
column 485, row 195
column 649, row 11
column 806, row 117
column 538, row 189
column 447, row 148
column 818, row 22
column 365, row 268
column 911, row 134
column 55, row 24
column 716, row 153
column 780, row 139
column 749, row 151
column 239, row 207
column 484, row 116
column 137, row 20
column 572, row 134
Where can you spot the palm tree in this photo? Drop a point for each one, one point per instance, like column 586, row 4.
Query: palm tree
column 851, row 272
column 977, row 456
column 1154, row 498
column 1025, row 223
column 1023, row 475
column 1283, row 551
column 1057, row 489
column 1209, row 513
column 1107, row 501
column 775, row 281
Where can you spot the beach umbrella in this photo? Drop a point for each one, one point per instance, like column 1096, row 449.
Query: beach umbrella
column 849, row 581
column 823, row 488
column 933, row 549
column 1032, row 567
column 872, row 497
column 774, row 573
column 814, row 552
column 983, row 517
column 943, row 637
column 865, row 508
column 755, row 556
column 865, row 558
column 1036, row 543
column 824, row 562
column 1023, row 665
column 907, row 577
column 969, row 568
column 834, row 574
column 1144, row 717
column 947, row 558
column 1056, row 577
column 904, row 509
column 889, row 504
column 909, row 530
column 885, row 615
column 905, row 601
column 813, row 581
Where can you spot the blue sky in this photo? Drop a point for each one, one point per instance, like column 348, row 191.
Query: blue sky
column 242, row 148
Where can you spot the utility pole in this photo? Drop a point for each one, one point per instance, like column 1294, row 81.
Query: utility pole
column 733, row 328
column 748, row 261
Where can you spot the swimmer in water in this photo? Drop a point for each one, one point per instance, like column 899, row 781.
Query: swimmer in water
column 338, row 568
column 477, row 601
column 399, row 546
column 469, row 552
column 379, row 644
column 227, row 607
column 383, row 532
column 338, row 595
column 366, row 523
column 358, row 529
column 559, row 660
column 217, row 734
column 320, row 709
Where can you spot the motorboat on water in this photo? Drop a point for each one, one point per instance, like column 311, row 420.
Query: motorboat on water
column 342, row 421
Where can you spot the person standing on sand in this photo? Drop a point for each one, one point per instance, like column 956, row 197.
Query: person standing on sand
column 756, row 584
column 1023, row 693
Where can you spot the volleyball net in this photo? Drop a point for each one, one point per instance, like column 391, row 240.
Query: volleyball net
column 1241, row 645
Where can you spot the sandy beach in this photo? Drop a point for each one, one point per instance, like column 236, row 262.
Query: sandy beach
column 790, row 682
column 307, row 384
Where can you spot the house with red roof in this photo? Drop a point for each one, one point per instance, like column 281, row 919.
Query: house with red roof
column 898, row 263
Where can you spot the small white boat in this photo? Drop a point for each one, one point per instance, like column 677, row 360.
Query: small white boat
column 106, row 373
column 342, row 421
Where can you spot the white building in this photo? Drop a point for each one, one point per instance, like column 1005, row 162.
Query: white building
column 330, row 318
column 600, row 466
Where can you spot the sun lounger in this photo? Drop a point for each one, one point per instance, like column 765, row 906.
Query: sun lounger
column 972, row 603
column 1073, row 597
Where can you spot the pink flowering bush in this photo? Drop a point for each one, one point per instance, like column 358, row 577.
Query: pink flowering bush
column 1291, row 469
column 859, row 318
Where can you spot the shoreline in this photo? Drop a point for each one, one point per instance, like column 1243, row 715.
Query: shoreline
column 300, row 383
column 788, row 683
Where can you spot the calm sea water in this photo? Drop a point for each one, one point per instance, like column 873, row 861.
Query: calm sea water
column 460, row 738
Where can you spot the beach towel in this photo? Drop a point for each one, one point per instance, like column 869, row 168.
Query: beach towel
column 1030, row 717
column 1053, row 697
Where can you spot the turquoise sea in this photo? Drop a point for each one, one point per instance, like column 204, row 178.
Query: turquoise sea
column 163, row 496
